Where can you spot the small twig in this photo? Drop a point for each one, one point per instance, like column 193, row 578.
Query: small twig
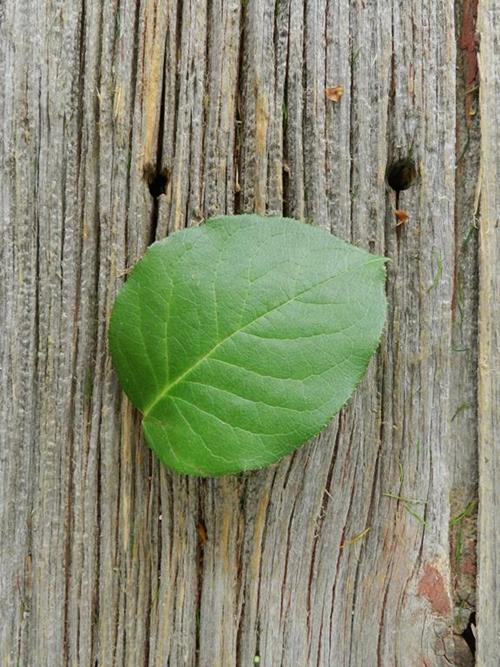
column 411, row 511
column 407, row 504
column 466, row 512
column 437, row 276
column 356, row 538
column 405, row 500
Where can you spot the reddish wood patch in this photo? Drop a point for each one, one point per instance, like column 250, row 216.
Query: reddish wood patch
column 432, row 587
column 468, row 46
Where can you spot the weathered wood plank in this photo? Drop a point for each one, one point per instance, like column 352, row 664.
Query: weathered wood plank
column 489, row 342
column 339, row 555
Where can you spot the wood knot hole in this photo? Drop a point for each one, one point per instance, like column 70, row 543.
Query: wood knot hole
column 157, row 180
column 401, row 174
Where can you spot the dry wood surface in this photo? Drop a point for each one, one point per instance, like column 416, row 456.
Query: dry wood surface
column 122, row 121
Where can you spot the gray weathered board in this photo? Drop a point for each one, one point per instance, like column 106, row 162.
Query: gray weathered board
column 358, row 550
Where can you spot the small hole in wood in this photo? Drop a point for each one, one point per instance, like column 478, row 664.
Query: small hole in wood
column 401, row 174
column 157, row 180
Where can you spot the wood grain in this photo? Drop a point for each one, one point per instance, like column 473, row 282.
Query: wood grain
column 342, row 554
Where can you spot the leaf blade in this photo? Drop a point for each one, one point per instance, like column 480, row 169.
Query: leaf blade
column 282, row 337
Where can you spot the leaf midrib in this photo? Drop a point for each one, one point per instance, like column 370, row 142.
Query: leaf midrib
column 163, row 393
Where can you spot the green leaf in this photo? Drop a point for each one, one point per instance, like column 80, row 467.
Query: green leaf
column 239, row 340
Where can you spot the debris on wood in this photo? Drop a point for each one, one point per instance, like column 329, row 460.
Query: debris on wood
column 334, row 93
column 401, row 216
